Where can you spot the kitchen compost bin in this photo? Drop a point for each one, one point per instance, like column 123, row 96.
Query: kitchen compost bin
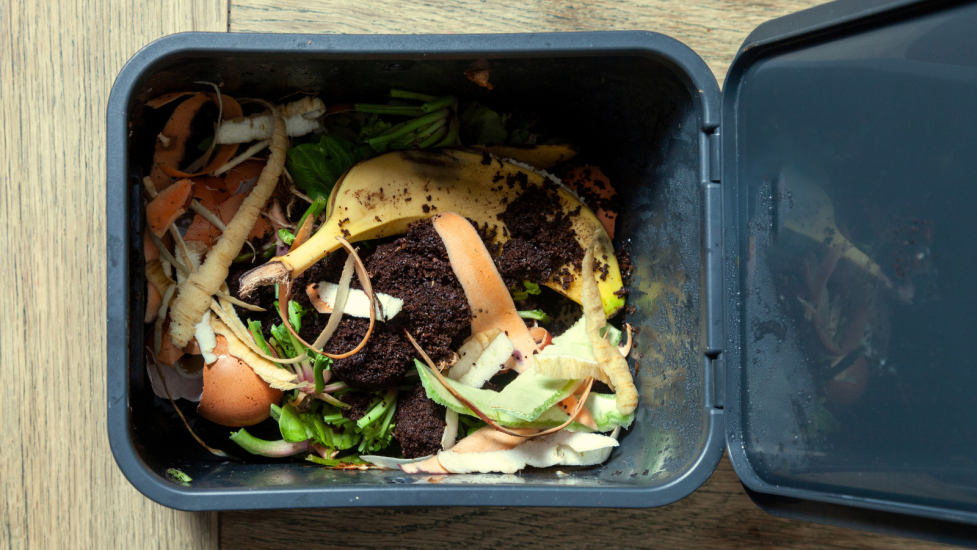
column 802, row 247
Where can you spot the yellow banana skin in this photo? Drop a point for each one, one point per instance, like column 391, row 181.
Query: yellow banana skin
column 382, row 196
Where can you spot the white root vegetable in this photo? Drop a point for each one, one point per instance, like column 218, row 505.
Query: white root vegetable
column 323, row 296
column 489, row 363
column 252, row 151
column 576, row 449
column 470, row 351
column 301, row 118
column 196, row 295
column 206, row 339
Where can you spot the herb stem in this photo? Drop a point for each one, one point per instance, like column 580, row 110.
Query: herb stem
column 378, row 410
column 426, row 132
column 434, row 138
column 261, row 447
column 439, row 103
column 404, row 110
column 314, row 209
column 404, row 94
column 452, row 137
column 408, row 128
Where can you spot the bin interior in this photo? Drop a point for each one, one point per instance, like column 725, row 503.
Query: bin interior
column 635, row 116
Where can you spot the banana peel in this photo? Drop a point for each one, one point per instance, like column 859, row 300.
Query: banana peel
column 813, row 215
column 539, row 156
column 382, row 196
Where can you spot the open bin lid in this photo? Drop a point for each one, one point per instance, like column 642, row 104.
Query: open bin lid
column 849, row 133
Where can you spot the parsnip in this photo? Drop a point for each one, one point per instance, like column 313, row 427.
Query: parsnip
column 608, row 356
column 196, row 294
column 301, row 118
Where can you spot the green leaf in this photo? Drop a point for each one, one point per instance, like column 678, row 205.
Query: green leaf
column 205, row 143
column 284, row 338
column 262, row 447
column 373, row 127
column 286, row 236
column 291, row 425
column 276, row 412
column 531, row 288
column 314, row 425
column 317, row 166
column 481, row 125
column 178, row 475
column 338, row 462
column 259, row 338
column 536, row 314
column 295, row 314
column 321, row 363
column 483, row 399
column 531, row 394
column 316, row 208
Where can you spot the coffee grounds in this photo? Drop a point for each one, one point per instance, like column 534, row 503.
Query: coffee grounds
column 420, row 423
column 359, row 403
column 380, row 365
column 542, row 238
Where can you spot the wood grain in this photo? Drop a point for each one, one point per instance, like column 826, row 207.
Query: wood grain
column 713, row 28
column 718, row 515
column 60, row 485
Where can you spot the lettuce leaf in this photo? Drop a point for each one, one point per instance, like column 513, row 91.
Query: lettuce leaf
column 317, row 166
column 481, row 125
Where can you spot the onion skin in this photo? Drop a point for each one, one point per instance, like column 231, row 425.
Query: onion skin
column 234, row 395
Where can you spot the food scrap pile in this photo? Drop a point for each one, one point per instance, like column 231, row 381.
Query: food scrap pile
column 395, row 285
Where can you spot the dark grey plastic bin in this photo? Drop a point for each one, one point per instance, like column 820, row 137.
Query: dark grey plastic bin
column 641, row 103
column 839, row 375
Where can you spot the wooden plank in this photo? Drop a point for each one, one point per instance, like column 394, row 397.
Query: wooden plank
column 60, row 485
column 713, row 28
column 718, row 515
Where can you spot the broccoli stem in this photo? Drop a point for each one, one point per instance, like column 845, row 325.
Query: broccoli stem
column 404, row 94
column 405, row 110
column 407, row 128
column 261, row 447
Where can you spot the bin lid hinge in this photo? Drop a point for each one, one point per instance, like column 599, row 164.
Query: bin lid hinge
column 718, row 366
column 715, row 157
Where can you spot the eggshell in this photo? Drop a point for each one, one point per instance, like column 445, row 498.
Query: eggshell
column 234, row 395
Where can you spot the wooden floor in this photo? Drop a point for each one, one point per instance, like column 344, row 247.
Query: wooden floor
column 60, row 486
